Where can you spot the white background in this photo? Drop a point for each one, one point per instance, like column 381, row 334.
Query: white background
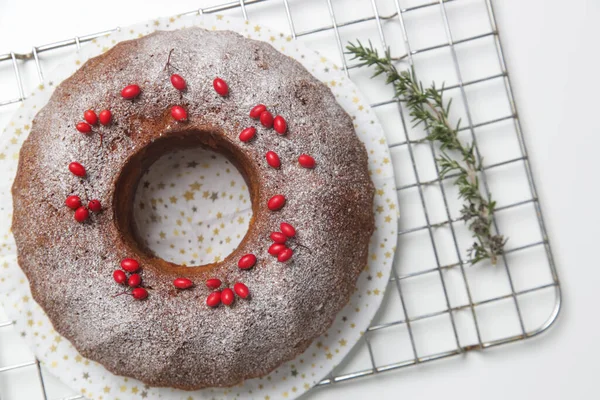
column 552, row 54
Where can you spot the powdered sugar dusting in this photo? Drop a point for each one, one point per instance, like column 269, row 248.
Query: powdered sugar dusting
column 179, row 341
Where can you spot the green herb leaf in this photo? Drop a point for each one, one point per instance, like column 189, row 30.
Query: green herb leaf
column 427, row 108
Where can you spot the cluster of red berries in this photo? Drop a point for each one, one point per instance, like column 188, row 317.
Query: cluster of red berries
column 279, row 248
column 266, row 119
column 261, row 113
column 81, row 212
column 91, row 118
column 225, row 296
column 74, row 202
column 133, row 281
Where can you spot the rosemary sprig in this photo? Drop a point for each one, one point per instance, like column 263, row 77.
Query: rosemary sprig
column 427, row 107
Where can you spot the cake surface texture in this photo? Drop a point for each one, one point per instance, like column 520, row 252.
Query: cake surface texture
column 173, row 338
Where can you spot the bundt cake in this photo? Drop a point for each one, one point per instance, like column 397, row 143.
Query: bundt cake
column 209, row 325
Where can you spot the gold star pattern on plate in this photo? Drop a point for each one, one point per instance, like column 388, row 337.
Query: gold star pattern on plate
column 221, row 213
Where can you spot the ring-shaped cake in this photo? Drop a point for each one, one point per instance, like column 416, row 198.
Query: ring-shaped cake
column 171, row 336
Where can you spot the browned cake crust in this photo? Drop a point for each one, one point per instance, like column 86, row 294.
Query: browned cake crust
column 173, row 338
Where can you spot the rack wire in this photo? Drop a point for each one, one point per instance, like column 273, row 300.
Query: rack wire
column 465, row 307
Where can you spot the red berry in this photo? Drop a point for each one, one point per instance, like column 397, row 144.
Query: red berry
column 81, row 214
column 276, row 202
column 213, row 299
column 306, row 161
column 134, row 280
column 227, row 296
column 285, row 255
column 247, row 261
column 130, row 265
column 280, row 125
column 266, row 118
column 119, row 276
column 276, row 248
column 178, row 113
column 241, row 290
column 273, row 159
column 257, row 110
column 178, row 82
column 91, row 117
column 131, row 92
column 220, row 86
column 77, row 169
column 73, row 202
column 139, row 293
column 278, row 237
column 247, row 134
column 183, row 283
column 83, row 127
column 95, row 205
column 213, row 283
column 287, row 229
column 105, row 117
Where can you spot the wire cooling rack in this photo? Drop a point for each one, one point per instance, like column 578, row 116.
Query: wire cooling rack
column 436, row 304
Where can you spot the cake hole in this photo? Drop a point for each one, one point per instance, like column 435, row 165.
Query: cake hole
column 192, row 207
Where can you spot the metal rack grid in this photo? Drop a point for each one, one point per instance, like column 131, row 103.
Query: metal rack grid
column 405, row 137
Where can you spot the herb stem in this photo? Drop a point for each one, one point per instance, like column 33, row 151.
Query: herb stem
column 427, row 107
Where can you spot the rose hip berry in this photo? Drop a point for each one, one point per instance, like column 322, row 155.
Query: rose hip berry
column 213, row 283
column 81, row 214
column 130, row 265
column 94, row 205
column 221, row 87
column 91, row 117
column 83, row 127
column 287, row 229
column 213, row 299
column 77, row 169
column 178, row 82
column 280, row 125
column 278, row 237
column 266, row 119
column 257, row 110
column 276, row 248
column 227, row 296
column 139, row 293
column 119, row 276
column 134, row 280
column 183, row 283
column 105, row 117
column 247, row 261
column 130, row 92
column 241, row 290
column 276, row 202
column 73, row 202
column 306, row 161
column 285, row 255
column 273, row 159
column 247, row 134
column 178, row 113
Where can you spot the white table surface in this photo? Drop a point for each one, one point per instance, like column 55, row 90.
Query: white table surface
column 553, row 59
